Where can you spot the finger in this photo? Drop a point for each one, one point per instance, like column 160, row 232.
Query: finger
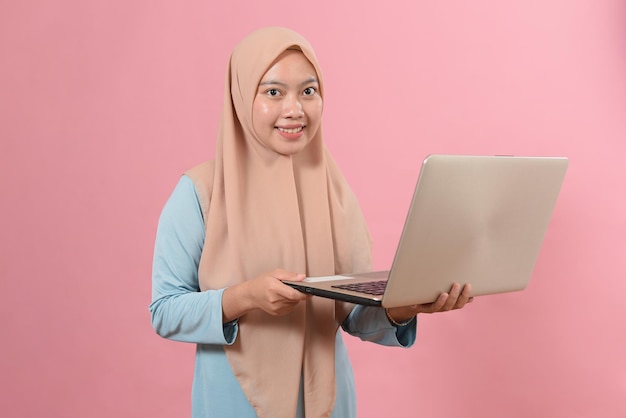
column 298, row 277
column 290, row 294
column 282, row 304
column 287, row 275
column 437, row 305
column 465, row 297
column 283, row 291
column 453, row 297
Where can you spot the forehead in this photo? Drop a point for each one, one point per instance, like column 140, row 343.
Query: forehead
column 291, row 64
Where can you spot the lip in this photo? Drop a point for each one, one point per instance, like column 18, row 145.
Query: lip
column 291, row 132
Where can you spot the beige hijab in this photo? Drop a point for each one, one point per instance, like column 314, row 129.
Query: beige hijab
column 271, row 211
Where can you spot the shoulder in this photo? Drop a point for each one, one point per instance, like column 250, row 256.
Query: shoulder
column 182, row 201
column 202, row 177
column 202, row 172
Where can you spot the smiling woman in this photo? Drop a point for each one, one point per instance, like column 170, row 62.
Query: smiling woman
column 272, row 206
column 103, row 104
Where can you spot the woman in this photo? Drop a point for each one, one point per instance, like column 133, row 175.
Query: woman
column 271, row 206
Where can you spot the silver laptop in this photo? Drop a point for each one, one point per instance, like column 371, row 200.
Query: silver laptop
column 473, row 219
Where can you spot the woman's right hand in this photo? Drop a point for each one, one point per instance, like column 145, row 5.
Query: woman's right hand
column 266, row 292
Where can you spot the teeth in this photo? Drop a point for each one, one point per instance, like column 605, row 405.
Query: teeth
column 291, row 131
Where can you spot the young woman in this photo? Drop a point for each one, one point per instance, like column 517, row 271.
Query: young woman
column 272, row 205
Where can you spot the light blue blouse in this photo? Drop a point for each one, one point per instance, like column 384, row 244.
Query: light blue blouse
column 181, row 312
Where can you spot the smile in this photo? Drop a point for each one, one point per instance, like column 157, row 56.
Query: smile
column 291, row 130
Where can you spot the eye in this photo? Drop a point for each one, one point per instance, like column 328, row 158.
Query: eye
column 273, row 92
column 309, row 91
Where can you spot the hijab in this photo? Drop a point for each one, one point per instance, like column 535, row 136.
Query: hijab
column 270, row 211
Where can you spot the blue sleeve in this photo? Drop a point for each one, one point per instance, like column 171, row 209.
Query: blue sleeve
column 371, row 324
column 179, row 310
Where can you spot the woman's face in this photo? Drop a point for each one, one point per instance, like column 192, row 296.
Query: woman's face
column 287, row 108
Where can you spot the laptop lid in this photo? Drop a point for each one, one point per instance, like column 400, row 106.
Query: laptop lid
column 472, row 219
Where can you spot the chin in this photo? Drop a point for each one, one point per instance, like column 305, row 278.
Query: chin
column 288, row 152
column 290, row 149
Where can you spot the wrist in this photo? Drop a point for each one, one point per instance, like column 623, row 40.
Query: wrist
column 235, row 302
column 399, row 323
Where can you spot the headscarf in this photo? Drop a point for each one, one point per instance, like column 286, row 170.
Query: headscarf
column 271, row 211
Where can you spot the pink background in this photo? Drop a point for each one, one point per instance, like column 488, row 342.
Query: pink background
column 104, row 103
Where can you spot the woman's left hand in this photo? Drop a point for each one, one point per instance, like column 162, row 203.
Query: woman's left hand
column 456, row 298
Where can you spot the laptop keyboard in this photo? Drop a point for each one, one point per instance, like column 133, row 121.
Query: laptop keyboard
column 376, row 288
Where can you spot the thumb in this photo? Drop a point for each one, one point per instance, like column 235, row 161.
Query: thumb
column 298, row 277
column 286, row 275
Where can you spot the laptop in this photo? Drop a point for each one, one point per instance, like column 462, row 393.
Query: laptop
column 473, row 219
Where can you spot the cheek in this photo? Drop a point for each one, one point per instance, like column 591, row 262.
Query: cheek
column 262, row 108
column 315, row 113
column 261, row 116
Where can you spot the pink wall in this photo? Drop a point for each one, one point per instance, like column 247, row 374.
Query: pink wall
column 104, row 103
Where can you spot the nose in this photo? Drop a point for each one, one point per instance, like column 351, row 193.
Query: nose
column 292, row 107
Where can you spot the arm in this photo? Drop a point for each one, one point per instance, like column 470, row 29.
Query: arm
column 371, row 324
column 398, row 326
column 179, row 311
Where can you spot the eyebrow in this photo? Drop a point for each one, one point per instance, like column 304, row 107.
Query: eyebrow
column 278, row 83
